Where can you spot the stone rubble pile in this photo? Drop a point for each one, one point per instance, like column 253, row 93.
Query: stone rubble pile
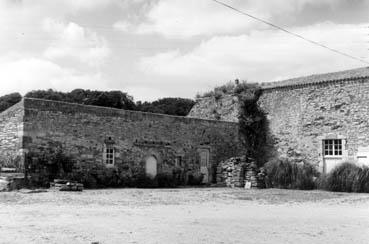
column 65, row 185
column 230, row 172
column 10, row 179
column 239, row 172
column 251, row 175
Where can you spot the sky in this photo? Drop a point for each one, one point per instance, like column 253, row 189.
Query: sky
column 172, row 48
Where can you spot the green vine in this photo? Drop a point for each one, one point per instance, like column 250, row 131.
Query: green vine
column 253, row 124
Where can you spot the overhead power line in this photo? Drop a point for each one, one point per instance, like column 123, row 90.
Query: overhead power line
column 290, row 32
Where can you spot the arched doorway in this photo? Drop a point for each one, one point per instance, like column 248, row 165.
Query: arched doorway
column 151, row 166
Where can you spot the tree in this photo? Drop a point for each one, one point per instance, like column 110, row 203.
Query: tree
column 117, row 99
column 113, row 99
column 47, row 94
column 9, row 100
column 171, row 106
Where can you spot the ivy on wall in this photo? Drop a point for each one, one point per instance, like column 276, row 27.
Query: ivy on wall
column 253, row 124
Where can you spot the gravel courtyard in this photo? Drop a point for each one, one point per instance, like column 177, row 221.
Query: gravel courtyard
column 205, row 215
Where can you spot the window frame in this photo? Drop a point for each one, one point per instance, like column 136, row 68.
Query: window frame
column 332, row 147
column 109, row 154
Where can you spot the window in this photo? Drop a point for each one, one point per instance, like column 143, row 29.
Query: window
column 109, row 154
column 332, row 147
column 178, row 161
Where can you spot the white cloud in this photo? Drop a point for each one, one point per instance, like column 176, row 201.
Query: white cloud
column 70, row 48
column 260, row 56
column 186, row 19
column 124, row 26
column 75, row 41
column 88, row 4
column 178, row 18
column 145, row 93
column 23, row 75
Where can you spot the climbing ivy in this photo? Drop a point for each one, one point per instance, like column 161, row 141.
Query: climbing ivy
column 253, row 124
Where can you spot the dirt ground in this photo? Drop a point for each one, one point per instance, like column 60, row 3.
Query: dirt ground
column 205, row 215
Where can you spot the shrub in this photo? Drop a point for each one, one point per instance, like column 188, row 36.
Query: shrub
column 284, row 173
column 166, row 180
column 10, row 161
column 321, row 182
column 305, row 176
column 88, row 181
column 346, row 177
column 9, row 100
column 228, row 88
column 46, row 166
column 143, row 181
column 363, row 181
column 107, row 177
column 218, row 94
column 195, row 179
column 342, row 177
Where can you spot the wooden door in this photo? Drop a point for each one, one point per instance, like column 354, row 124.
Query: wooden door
column 205, row 165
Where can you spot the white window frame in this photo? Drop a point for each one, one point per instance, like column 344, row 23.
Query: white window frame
column 332, row 147
column 109, row 155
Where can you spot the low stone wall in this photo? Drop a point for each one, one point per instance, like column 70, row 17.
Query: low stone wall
column 81, row 133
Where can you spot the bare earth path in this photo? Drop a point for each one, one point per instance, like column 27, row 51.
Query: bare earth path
column 207, row 215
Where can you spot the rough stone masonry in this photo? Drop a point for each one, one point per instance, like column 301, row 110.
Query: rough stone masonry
column 321, row 118
column 117, row 138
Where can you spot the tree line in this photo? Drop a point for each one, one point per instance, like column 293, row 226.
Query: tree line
column 113, row 99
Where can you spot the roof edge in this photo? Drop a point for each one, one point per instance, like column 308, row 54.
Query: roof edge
column 275, row 85
column 320, row 78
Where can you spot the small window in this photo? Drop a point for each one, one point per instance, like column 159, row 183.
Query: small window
column 332, row 147
column 178, row 161
column 109, row 155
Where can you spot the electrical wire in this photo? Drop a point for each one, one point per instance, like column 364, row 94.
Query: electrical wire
column 289, row 32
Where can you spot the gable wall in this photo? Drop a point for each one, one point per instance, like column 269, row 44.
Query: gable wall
column 302, row 116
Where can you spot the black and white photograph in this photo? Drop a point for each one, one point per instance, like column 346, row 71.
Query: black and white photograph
column 184, row 121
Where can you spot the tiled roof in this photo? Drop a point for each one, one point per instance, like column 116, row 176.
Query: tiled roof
column 318, row 78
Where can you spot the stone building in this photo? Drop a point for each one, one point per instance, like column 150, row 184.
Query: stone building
column 321, row 118
column 115, row 138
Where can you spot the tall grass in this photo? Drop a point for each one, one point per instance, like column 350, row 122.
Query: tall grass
column 287, row 174
column 346, row 177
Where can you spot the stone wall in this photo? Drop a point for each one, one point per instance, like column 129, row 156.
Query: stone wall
column 82, row 132
column 304, row 111
column 301, row 116
column 11, row 129
column 224, row 108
